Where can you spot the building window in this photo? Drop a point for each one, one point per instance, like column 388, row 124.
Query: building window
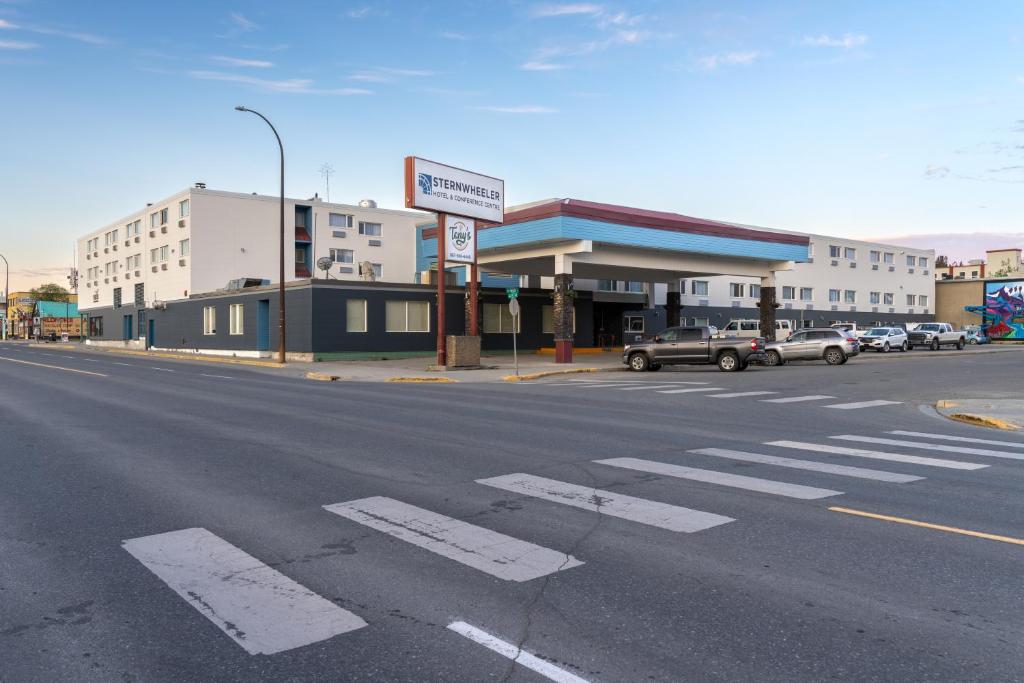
column 300, row 255
column 922, row 300
column 184, row 248
column 888, row 257
column 833, row 296
column 371, row 229
column 974, row 274
column 850, row 253
column 117, row 297
column 547, row 319
column 806, row 294
column 235, row 319
column 887, row 298
column 342, row 255
column 911, row 300
column 755, row 291
column 922, row 262
column 378, row 271
column 209, row 320
column 407, row 316
column 788, row 293
column 911, row 261
column 834, row 251
column 850, row 296
column 183, row 208
column 133, row 228
column 875, row 297
column 875, row 256
column 93, row 244
column 497, row 318
column 699, row 287
column 355, row 315
column 163, row 216
column 340, row 220
column 736, row 290
column 96, row 327
column 606, row 285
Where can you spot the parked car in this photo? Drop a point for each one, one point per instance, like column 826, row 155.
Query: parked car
column 884, row 339
column 750, row 328
column 976, row 335
column 835, row 347
column 693, row 346
column 847, row 327
column 934, row 335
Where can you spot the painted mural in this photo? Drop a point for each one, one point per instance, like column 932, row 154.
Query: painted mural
column 1003, row 312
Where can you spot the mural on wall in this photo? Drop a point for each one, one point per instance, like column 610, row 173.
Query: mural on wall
column 1003, row 311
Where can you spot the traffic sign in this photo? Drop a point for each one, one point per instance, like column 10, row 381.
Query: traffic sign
column 513, row 292
column 513, row 307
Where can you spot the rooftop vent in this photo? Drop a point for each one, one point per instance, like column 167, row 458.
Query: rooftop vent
column 200, row 186
column 367, row 204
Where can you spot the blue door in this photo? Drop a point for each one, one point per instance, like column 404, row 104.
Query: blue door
column 151, row 337
column 126, row 328
column 263, row 325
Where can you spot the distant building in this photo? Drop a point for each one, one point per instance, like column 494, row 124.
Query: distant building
column 997, row 263
column 56, row 317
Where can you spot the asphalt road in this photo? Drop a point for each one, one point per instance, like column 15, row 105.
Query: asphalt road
column 661, row 565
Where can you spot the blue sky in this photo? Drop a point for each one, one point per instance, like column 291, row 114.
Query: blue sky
column 862, row 119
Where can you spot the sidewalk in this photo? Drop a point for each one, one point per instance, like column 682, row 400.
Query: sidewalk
column 999, row 413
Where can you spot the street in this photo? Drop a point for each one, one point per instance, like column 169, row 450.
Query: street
column 166, row 520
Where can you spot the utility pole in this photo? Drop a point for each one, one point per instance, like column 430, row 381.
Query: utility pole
column 7, row 294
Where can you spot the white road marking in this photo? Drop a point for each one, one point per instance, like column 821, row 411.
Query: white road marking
column 689, row 391
column 663, row 515
column 740, row 394
column 647, row 386
column 153, row 367
column 738, row 481
column 604, row 385
column 931, row 446
column 964, row 439
column 878, row 455
column 258, row 607
column 90, row 360
column 217, row 376
column 517, row 655
column 602, row 381
column 796, row 399
column 810, row 465
column 489, row 551
column 127, row 365
column 863, row 404
column 52, row 367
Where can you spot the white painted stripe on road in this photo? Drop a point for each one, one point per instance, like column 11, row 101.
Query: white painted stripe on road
column 489, row 551
column 690, row 391
column 127, row 365
column 52, row 367
column 796, row 399
column 877, row 455
column 203, row 374
column 663, row 515
column 258, row 607
column 90, row 360
column 810, row 465
column 863, row 404
column 963, row 439
column 741, row 394
column 153, row 367
column 517, row 655
column 605, row 385
column 931, row 446
column 738, row 481
column 647, row 386
column 633, row 381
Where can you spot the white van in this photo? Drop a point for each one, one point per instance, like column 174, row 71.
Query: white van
column 752, row 328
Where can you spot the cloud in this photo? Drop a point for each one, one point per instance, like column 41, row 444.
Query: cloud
column 302, row 86
column 520, row 109
column 452, row 35
column 712, row 62
column 935, row 171
column 81, row 37
column 386, row 74
column 542, row 66
column 619, row 19
column 958, row 246
column 847, row 41
column 567, row 10
column 364, row 12
column 6, row 24
column 17, row 45
column 242, row 24
column 406, row 72
column 235, row 61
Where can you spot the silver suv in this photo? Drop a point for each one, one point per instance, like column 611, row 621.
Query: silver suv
column 833, row 346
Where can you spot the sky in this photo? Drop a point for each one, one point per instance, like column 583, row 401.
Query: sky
column 871, row 120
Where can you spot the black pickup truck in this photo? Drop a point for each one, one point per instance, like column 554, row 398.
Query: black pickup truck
column 693, row 346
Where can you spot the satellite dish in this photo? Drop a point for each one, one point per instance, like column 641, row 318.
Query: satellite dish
column 324, row 263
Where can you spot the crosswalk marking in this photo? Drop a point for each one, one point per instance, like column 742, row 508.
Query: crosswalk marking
column 738, row 481
column 689, row 391
column 863, row 404
column 841, row 470
column 877, row 455
column 663, row 515
column 739, row 394
column 516, row 654
column 605, row 385
column 258, row 607
column 489, row 551
column 930, row 446
column 963, row 439
column 633, row 381
column 796, row 399
column 644, row 387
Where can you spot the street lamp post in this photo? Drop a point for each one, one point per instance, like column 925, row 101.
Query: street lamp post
column 280, row 287
column 7, row 293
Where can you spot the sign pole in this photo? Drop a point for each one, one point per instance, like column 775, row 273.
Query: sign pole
column 474, row 325
column 442, row 229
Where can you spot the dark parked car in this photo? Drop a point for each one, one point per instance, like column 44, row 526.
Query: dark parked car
column 693, row 346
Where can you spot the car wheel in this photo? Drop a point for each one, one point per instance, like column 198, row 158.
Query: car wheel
column 960, row 344
column 905, row 347
column 773, row 358
column 886, row 348
column 655, row 367
column 638, row 362
column 974, row 341
column 728, row 362
column 834, row 356
column 910, row 347
column 935, row 345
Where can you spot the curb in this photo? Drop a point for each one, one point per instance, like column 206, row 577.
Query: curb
column 181, row 356
column 974, row 419
column 554, row 373
column 423, row 380
column 321, row 377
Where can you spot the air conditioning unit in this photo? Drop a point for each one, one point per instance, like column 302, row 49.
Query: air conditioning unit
column 127, row 276
column 88, row 284
column 137, row 239
column 159, row 305
column 181, row 223
column 114, row 247
column 114, row 278
column 910, row 270
column 924, row 272
column 152, row 233
column 88, row 256
column 163, row 266
column 138, row 273
column 96, row 254
column 128, row 243
column 154, row 269
column 106, row 250
column 835, row 263
column 163, row 228
column 874, row 267
column 853, row 264
column 106, row 280
column 181, row 262
column 892, row 269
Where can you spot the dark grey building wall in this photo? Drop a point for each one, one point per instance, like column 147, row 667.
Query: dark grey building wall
column 719, row 316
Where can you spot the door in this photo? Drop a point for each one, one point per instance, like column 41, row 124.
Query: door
column 794, row 347
column 151, row 336
column 263, row 325
column 693, row 346
column 126, row 328
column 666, row 346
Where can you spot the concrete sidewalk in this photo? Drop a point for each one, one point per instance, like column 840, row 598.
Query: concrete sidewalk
column 997, row 413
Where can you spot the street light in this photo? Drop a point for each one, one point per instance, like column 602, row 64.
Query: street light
column 7, row 293
column 280, row 287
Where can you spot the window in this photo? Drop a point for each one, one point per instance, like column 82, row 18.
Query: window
column 887, row 298
column 806, row 294
column 340, row 220
column 834, row 251
column 407, row 316
column 974, row 274
column 606, row 285
column 133, row 228
column 154, row 255
column 110, row 238
column 633, row 323
column 833, row 296
column 117, row 297
column 355, row 315
column 371, row 229
column 159, row 254
column 378, row 271
column 888, row 257
column 96, row 327
column 154, row 219
column 911, row 261
column 163, row 216
column 749, row 325
column 235, row 313
column 850, row 296
column 497, row 318
column 875, row 256
column 209, row 320
column 850, row 253
column 699, row 322
column 110, row 268
column 911, row 300
column 922, row 300
column 184, row 248
column 342, row 255
column 699, row 287
column 300, row 255
column 547, row 320
column 93, row 244
column 755, row 291
column 875, row 297
column 736, row 289
column 789, row 293
column 183, row 208
column 164, row 252
column 922, row 262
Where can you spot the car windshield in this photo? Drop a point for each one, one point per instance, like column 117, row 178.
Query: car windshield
column 878, row 331
column 928, row 328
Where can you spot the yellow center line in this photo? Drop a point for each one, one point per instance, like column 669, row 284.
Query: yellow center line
column 54, row 367
column 928, row 525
